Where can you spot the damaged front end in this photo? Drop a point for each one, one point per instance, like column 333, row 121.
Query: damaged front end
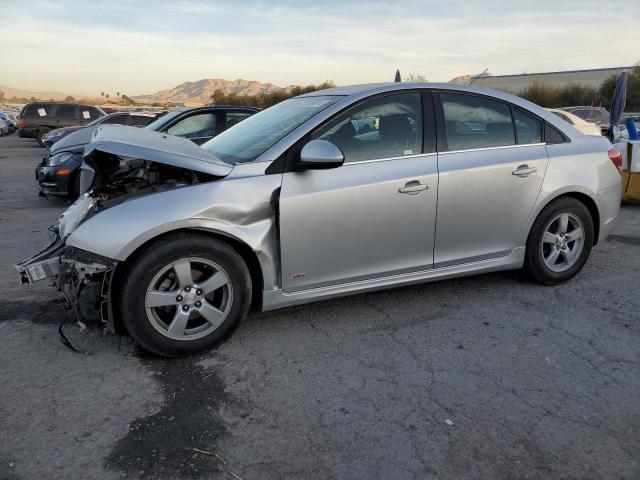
column 83, row 278
column 119, row 165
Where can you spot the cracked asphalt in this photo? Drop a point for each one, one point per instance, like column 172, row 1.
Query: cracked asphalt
column 488, row 377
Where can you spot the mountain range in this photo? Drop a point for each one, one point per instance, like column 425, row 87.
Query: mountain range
column 188, row 93
column 192, row 93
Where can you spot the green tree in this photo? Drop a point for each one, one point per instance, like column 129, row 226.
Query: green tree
column 541, row 94
column 69, row 98
column 265, row 100
column 633, row 91
column 575, row 94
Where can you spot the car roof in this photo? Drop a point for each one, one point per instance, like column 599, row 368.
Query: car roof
column 215, row 107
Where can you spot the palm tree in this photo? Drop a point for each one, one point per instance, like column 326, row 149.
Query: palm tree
column 118, row 95
column 107, row 98
column 102, row 94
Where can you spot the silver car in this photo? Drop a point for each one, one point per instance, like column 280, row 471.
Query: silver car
column 331, row 193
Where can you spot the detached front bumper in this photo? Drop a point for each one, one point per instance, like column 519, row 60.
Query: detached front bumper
column 84, row 279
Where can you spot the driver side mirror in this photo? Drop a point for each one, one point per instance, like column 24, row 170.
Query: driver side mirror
column 320, row 155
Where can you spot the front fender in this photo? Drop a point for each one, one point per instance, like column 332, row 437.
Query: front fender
column 240, row 208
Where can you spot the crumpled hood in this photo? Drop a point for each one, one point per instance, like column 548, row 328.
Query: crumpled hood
column 133, row 142
column 74, row 140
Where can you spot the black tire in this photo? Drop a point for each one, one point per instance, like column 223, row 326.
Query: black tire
column 535, row 265
column 156, row 256
column 39, row 135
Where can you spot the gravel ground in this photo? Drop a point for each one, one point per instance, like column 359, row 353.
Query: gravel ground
column 484, row 377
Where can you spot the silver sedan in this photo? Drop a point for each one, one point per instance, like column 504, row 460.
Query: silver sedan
column 331, row 193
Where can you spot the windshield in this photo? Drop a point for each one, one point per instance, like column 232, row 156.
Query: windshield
column 250, row 138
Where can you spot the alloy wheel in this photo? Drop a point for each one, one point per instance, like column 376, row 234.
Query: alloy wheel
column 189, row 298
column 562, row 242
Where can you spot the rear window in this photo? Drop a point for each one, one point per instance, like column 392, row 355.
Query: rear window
column 120, row 119
column 140, row 120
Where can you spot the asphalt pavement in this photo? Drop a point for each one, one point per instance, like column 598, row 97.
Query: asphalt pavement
column 487, row 377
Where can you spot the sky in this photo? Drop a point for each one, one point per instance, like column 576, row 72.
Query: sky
column 141, row 46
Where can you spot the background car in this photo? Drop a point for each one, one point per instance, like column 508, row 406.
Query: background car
column 38, row 118
column 5, row 128
column 58, row 174
column 582, row 125
column 122, row 118
column 12, row 126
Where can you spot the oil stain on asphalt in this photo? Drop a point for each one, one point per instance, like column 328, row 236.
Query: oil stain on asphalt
column 179, row 441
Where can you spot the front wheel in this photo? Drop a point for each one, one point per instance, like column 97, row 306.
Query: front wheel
column 560, row 241
column 184, row 293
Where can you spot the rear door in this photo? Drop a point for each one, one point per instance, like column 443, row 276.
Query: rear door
column 491, row 162
column 373, row 216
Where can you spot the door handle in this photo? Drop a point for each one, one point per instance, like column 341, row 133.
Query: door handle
column 413, row 188
column 524, row 171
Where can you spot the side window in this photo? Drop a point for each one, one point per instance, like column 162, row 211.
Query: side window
column 140, row 120
column 88, row 113
column 552, row 135
column 387, row 127
column 119, row 119
column 476, row 122
column 528, row 127
column 68, row 112
column 235, row 117
column 195, row 126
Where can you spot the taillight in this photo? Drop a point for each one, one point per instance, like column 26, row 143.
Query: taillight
column 615, row 156
column 21, row 123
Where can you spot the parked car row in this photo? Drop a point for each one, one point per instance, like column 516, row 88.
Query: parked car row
column 330, row 193
column 8, row 124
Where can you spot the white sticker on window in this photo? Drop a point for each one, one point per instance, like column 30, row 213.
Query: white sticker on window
column 42, row 112
column 86, row 114
column 408, row 152
column 37, row 272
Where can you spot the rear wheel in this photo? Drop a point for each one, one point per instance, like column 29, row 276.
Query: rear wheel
column 184, row 293
column 39, row 135
column 560, row 241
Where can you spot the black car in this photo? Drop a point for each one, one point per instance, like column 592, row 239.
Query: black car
column 58, row 174
column 134, row 119
column 38, row 118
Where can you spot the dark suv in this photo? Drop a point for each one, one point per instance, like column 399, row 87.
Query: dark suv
column 38, row 118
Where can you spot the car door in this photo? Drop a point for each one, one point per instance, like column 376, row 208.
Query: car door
column 491, row 164
column 374, row 215
column 197, row 127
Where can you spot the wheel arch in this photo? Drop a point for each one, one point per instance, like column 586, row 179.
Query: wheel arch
column 582, row 197
column 249, row 256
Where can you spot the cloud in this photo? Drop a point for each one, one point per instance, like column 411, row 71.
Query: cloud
column 139, row 47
